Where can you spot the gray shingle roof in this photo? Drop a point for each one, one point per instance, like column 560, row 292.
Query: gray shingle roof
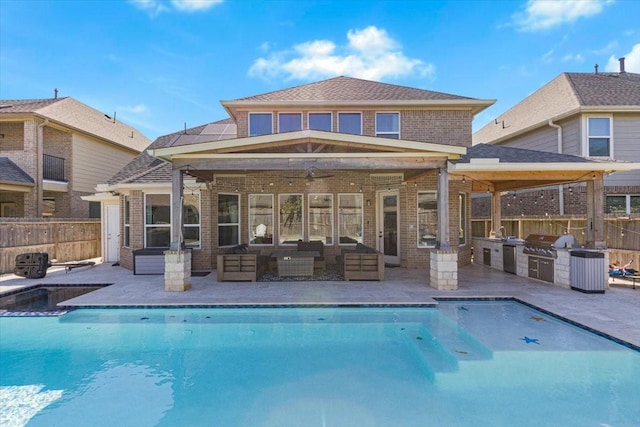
column 147, row 169
column 74, row 114
column 516, row 155
column 566, row 93
column 351, row 89
column 12, row 173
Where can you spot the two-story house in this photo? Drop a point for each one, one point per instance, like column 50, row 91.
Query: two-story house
column 54, row 151
column 342, row 161
column 592, row 115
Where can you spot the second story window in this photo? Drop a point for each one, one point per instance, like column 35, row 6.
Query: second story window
column 388, row 125
column 320, row 121
column 350, row 123
column 289, row 122
column 260, row 124
column 599, row 136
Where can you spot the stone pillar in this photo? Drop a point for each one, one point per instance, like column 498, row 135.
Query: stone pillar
column 177, row 270
column 444, row 270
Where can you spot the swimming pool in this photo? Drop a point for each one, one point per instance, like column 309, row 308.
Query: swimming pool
column 465, row 363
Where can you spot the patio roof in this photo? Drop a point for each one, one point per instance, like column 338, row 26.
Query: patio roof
column 498, row 168
column 13, row 178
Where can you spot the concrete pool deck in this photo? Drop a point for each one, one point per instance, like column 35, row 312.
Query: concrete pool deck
column 615, row 313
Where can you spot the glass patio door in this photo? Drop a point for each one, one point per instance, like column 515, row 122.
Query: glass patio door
column 388, row 215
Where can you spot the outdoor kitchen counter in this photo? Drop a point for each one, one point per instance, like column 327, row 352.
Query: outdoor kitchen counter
column 490, row 252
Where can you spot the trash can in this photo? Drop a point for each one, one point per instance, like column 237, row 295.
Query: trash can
column 588, row 272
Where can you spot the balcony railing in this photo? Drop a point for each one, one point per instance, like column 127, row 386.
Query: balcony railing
column 53, row 168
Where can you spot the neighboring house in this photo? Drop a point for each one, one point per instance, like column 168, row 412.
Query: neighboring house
column 343, row 161
column 592, row 115
column 54, row 151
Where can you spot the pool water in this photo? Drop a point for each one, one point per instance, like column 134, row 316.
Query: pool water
column 467, row 363
column 42, row 298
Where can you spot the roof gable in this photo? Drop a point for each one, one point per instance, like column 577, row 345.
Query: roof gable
column 567, row 94
column 68, row 112
column 350, row 89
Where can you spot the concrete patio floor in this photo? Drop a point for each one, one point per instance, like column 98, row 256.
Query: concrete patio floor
column 615, row 313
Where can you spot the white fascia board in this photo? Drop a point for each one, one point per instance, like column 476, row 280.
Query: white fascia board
column 100, row 197
column 563, row 166
column 170, row 152
column 315, row 155
column 475, row 105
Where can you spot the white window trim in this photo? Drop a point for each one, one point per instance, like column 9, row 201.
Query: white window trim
column 144, row 213
column 362, row 202
column 585, row 135
column 127, row 225
column 627, row 204
column 388, row 133
column 249, row 121
column 199, row 224
column 302, row 231
column 330, row 113
column 289, row 112
column 435, row 244
column 273, row 219
column 309, row 196
column 239, row 223
column 352, row 112
column 463, row 216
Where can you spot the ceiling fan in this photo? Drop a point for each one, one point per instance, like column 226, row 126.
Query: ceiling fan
column 310, row 176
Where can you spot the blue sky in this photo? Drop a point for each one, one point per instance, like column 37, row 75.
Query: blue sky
column 159, row 64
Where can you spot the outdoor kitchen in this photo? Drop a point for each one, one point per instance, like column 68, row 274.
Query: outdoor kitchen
column 555, row 259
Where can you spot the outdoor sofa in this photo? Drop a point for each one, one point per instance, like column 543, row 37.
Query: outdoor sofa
column 239, row 264
column 361, row 263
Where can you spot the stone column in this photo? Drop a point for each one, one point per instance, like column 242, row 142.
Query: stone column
column 177, row 270
column 444, row 270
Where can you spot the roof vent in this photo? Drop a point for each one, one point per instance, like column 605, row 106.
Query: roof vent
column 596, row 68
column 621, row 65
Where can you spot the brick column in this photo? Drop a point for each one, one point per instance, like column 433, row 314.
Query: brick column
column 177, row 270
column 444, row 270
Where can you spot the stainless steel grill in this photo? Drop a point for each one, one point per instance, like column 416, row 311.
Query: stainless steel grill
column 544, row 245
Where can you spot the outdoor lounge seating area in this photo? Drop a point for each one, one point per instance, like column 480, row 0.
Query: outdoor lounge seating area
column 305, row 262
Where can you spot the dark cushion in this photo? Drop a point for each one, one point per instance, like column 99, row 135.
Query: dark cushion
column 363, row 249
column 240, row 249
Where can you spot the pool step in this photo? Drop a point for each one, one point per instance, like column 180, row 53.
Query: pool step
column 441, row 346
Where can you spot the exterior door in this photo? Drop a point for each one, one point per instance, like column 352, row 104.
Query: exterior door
column 112, row 245
column 388, row 215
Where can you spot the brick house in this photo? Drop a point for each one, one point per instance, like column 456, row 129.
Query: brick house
column 343, row 161
column 591, row 115
column 54, row 151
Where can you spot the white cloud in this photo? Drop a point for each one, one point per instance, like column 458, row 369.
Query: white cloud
column 194, row 5
column 369, row 53
column 573, row 57
column 631, row 61
column 155, row 7
column 134, row 109
column 546, row 14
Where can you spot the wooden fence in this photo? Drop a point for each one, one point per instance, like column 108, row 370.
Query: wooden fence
column 64, row 240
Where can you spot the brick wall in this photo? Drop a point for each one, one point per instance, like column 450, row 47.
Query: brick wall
column 13, row 139
column 449, row 127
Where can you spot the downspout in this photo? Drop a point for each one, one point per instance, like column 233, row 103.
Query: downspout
column 560, row 187
column 39, row 166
